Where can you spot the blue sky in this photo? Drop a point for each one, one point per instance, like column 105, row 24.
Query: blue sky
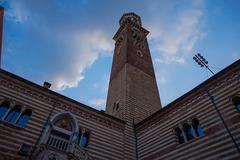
column 69, row 43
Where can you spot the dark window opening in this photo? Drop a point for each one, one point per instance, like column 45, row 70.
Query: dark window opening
column 189, row 132
column 23, row 119
column 117, row 105
column 4, row 108
column 139, row 53
column 236, row 102
column 197, row 127
column 85, row 139
column 180, row 135
column 79, row 136
column 13, row 114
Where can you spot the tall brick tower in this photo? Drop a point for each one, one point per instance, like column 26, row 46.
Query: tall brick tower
column 132, row 93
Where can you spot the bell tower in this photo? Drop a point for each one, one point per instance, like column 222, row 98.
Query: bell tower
column 133, row 93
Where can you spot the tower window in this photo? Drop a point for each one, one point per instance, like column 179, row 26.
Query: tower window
column 180, row 135
column 236, row 102
column 13, row 114
column 139, row 53
column 4, row 108
column 115, row 106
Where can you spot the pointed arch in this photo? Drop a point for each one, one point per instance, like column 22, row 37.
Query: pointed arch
column 24, row 118
column 180, row 135
column 197, row 127
column 67, row 116
column 61, row 132
column 13, row 114
column 189, row 132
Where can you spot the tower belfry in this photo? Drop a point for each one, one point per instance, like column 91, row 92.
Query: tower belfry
column 133, row 93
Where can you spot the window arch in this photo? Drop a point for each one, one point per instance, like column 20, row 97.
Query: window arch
column 13, row 114
column 61, row 132
column 180, row 135
column 188, row 131
column 236, row 102
column 197, row 127
column 23, row 119
column 4, row 107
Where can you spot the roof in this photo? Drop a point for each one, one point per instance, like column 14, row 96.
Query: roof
column 41, row 88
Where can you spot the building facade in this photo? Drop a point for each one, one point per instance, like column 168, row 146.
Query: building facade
column 40, row 124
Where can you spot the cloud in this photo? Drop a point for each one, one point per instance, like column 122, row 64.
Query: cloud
column 174, row 40
column 98, row 103
column 161, row 80
column 86, row 47
column 60, row 48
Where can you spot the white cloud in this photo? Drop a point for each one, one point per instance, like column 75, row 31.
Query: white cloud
column 67, row 50
column 86, row 48
column 174, row 41
column 161, row 79
column 98, row 103
column 81, row 48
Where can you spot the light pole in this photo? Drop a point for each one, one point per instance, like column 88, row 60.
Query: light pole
column 200, row 60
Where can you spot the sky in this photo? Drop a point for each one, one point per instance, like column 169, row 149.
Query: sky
column 69, row 43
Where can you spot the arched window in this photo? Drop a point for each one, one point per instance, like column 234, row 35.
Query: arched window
column 180, row 135
column 236, row 102
column 13, row 114
column 188, row 131
column 4, row 108
column 23, row 119
column 85, row 139
column 197, row 127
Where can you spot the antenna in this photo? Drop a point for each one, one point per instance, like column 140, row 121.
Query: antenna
column 200, row 60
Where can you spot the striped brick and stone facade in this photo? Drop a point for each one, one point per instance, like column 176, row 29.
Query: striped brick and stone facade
column 157, row 136
column 39, row 124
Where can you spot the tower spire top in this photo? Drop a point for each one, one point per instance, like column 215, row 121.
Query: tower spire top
column 130, row 17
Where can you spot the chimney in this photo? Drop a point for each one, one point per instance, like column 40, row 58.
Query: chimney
column 47, row 85
column 1, row 33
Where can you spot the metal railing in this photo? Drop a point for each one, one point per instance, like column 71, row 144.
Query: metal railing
column 58, row 143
